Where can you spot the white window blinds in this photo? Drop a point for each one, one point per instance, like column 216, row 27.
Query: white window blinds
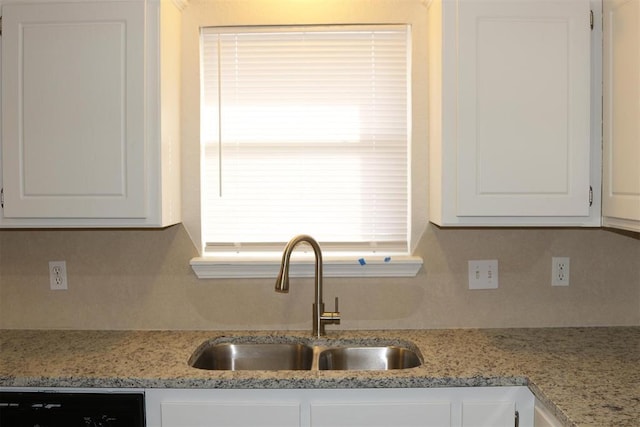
column 305, row 130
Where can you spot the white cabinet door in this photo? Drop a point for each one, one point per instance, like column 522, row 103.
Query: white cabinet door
column 381, row 414
column 73, row 110
column 218, row 407
column 621, row 112
column 523, row 105
column 511, row 138
column 488, row 414
column 79, row 140
column 495, row 406
column 208, row 414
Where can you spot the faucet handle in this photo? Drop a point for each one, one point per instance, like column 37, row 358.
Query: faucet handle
column 331, row 316
column 328, row 317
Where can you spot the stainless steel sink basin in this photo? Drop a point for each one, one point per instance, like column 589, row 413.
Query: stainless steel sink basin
column 253, row 356
column 368, row 358
column 294, row 353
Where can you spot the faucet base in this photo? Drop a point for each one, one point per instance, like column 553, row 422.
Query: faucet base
column 322, row 318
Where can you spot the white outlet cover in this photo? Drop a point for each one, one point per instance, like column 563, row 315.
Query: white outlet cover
column 58, row 275
column 560, row 271
column 483, row 274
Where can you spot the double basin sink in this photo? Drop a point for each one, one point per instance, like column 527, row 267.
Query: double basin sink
column 291, row 353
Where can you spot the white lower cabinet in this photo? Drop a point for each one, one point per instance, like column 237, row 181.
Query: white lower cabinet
column 424, row 407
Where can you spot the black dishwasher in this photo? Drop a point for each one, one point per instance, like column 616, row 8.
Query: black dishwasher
column 71, row 409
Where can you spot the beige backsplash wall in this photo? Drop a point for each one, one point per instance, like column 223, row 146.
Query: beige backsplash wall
column 141, row 279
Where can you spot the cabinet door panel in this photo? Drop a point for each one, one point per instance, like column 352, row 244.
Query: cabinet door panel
column 186, row 414
column 381, row 414
column 621, row 74
column 524, row 109
column 488, row 414
column 73, row 110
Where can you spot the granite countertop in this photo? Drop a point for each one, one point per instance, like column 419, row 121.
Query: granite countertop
column 586, row 376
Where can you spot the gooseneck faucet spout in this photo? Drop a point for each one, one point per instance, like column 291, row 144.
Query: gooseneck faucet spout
column 320, row 317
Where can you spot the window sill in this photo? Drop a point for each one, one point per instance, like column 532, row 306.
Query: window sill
column 236, row 268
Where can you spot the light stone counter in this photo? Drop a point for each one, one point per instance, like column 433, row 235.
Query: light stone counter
column 586, row 376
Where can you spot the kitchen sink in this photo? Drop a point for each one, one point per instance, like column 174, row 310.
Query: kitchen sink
column 253, row 356
column 289, row 354
column 368, row 358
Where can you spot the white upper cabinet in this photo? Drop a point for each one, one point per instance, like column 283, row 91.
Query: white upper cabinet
column 511, row 136
column 89, row 114
column 621, row 150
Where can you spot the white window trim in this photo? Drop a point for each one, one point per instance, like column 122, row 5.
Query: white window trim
column 374, row 266
column 386, row 11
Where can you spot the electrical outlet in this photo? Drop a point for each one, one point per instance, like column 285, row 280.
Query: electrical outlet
column 560, row 271
column 58, row 275
column 483, row 274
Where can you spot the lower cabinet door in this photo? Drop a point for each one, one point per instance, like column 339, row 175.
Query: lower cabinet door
column 488, row 414
column 376, row 414
column 209, row 414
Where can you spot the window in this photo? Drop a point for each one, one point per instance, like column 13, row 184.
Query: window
column 305, row 130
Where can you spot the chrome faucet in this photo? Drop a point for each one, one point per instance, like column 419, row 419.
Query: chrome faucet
column 320, row 317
